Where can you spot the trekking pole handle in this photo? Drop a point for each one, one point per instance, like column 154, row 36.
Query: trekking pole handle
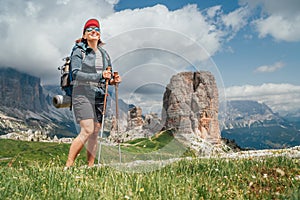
column 108, row 69
column 115, row 74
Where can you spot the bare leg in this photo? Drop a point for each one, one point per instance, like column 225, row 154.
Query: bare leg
column 92, row 145
column 87, row 129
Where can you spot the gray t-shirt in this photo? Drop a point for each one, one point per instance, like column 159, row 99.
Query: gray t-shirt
column 99, row 62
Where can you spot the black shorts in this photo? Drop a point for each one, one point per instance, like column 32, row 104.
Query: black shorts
column 84, row 108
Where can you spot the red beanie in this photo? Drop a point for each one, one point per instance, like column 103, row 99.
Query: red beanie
column 91, row 22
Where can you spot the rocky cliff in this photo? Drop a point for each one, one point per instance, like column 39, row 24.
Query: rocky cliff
column 26, row 108
column 190, row 105
column 22, row 91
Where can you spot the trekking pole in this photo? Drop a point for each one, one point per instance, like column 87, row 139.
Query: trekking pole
column 103, row 115
column 117, row 117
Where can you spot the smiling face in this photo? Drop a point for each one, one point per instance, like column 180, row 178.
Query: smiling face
column 92, row 33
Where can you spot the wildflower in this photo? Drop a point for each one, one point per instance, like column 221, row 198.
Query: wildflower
column 251, row 184
column 280, row 171
column 142, row 189
column 253, row 176
column 265, row 175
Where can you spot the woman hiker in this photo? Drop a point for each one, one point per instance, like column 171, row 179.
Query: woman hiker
column 90, row 64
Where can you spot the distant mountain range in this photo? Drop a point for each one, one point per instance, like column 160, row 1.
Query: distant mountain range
column 25, row 104
column 254, row 125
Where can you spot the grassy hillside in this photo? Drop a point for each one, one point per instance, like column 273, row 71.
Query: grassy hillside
column 161, row 146
column 32, row 170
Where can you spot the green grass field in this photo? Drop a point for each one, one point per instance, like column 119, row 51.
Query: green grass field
column 32, row 170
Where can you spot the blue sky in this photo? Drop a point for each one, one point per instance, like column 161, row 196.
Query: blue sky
column 254, row 44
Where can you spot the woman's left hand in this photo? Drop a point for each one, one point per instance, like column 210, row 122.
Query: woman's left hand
column 117, row 78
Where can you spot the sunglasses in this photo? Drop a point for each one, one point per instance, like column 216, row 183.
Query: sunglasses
column 89, row 29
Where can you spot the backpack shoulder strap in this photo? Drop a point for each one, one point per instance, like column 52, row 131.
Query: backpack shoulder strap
column 81, row 46
column 105, row 56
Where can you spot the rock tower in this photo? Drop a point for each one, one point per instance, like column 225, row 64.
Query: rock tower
column 190, row 106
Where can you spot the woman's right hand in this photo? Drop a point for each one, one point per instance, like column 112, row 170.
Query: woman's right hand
column 106, row 74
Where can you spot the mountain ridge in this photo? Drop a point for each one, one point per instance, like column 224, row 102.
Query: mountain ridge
column 253, row 125
column 250, row 124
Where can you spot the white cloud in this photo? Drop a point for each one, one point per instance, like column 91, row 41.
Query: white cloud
column 279, row 27
column 270, row 68
column 236, row 19
column 213, row 11
column 280, row 19
column 32, row 9
column 188, row 21
column 280, row 97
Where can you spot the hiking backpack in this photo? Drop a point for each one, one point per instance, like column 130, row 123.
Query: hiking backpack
column 66, row 78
